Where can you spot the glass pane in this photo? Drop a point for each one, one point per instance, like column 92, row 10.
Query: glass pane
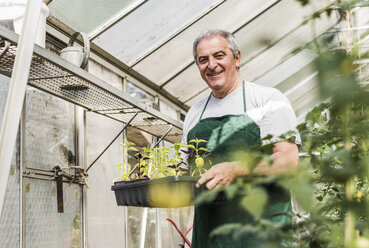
column 87, row 15
column 104, row 219
column 9, row 219
column 45, row 227
column 49, row 131
column 148, row 26
column 175, row 55
column 183, row 218
column 138, row 93
column 134, row 226
column 4, row 88
column 150, row 238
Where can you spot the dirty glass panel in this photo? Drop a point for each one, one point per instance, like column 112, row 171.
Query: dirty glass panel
column 157, row 20
column 9, row 219
column 4, row 88
column 87, row 15
column 138, row 93
column 138, row 235
column 49, row 131
column 183, row 219
column 45, row 227
column 104, row 219
column 49, row 141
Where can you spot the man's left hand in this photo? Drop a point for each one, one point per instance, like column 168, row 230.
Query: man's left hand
column 222, row 173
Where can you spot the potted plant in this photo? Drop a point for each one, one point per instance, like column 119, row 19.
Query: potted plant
column 159, row 178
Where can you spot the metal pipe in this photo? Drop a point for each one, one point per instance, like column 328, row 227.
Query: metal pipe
column 143, row 228
column 22, row 167
column 158, row 229
column 125, row 209
column 17, row 91
column 162, row 137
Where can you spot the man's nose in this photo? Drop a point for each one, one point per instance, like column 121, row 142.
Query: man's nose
column 212, row 63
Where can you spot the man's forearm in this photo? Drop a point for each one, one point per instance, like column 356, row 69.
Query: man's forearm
column 285, row 159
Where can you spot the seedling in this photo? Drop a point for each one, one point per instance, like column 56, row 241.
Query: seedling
column 199, row 161
column 142, row 166
column 177, row 159
column 160, row 162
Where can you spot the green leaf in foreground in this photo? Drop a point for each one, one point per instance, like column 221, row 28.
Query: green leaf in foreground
column 225, row 229
column 255, row 201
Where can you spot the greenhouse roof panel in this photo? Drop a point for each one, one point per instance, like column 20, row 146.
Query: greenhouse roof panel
column 231, row 15
column 151, row 25
column 90, row 15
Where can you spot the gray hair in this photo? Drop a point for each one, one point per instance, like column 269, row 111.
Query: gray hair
column 232, row 44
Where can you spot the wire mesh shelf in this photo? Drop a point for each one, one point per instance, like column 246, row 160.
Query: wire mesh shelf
column 56, row 76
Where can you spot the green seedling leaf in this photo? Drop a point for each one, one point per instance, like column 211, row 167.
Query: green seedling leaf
column 130, row 143
column 203, row 149
column 190, row 146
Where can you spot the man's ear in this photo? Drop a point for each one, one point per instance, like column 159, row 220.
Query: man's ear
column 238, row 59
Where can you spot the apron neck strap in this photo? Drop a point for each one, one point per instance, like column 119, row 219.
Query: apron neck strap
column 244, row 97
column 244, row 101
column 206, row 104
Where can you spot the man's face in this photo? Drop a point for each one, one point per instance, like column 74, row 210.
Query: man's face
column 216, row 63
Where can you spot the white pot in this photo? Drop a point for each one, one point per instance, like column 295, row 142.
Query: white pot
column 15, row 10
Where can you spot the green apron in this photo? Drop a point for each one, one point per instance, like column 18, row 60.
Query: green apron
column 225, row 134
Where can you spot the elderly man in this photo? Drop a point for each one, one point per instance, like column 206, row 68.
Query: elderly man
column 235, row 116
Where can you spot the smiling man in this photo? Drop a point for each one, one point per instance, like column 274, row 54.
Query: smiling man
column 234, row 117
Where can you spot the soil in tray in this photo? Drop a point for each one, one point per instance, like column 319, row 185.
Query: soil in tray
column 167, row 192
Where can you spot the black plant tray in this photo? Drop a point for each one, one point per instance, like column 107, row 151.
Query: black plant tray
column 167, row 192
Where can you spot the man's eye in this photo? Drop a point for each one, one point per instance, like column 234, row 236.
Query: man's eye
column 219, row 56
column 202, row 61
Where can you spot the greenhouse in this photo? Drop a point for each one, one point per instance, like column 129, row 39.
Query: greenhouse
column 118, row 122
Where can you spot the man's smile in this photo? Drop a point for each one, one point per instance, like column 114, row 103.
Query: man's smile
column 213, row 74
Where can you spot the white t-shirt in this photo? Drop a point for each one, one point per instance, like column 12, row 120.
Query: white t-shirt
column 266, row 106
